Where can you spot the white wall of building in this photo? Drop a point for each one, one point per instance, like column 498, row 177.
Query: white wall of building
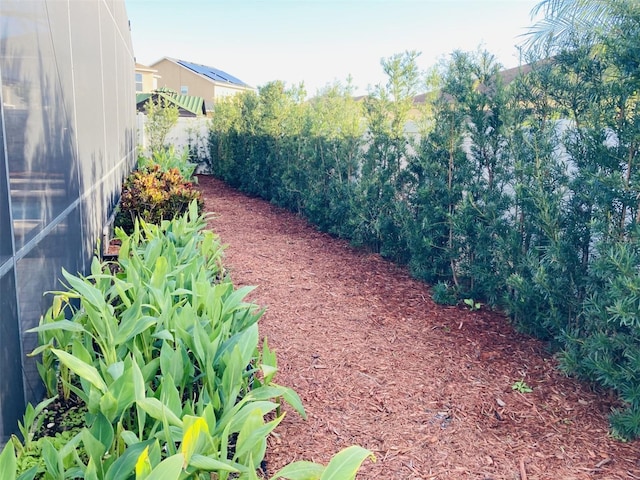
column 190, row 132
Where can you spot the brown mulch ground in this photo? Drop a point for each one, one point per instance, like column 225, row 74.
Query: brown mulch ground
column 427, row 388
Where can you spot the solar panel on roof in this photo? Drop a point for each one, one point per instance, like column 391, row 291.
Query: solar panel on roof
column 212, row 73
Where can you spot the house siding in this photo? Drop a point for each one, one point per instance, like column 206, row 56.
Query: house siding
column 175, row 76
column 149, row 79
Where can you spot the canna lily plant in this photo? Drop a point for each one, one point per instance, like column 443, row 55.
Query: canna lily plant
column 164, row 355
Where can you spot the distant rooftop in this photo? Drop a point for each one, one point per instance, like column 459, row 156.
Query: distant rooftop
column 188, row 105
column 211, row 73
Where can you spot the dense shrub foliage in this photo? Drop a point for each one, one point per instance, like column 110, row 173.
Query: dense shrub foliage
column 521, row 193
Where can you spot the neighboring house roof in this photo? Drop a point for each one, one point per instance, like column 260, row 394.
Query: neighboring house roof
column 507, row 76
column 210, row 73
column 510, row 74
column 188, row 105
column 144, row 68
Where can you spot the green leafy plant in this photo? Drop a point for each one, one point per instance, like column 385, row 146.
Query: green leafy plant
column 521, row 386
column 344, row 465
column 443, row 294
column 161, row 117
column 472, row 304
column 168, row 159
column 33, row 420
column 164, row 356
column 154, row 195
column 40, row 455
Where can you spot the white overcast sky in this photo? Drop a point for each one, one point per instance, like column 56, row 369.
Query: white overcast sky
column 320, row 41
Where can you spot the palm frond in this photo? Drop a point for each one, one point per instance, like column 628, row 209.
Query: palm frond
column 567, row 20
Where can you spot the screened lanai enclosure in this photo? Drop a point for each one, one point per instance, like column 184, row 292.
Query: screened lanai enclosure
column 67, row 139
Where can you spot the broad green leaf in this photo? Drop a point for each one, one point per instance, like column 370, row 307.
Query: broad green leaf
column 232, row 376
column 246, row 341
column 268, row 372
column 150, row 369
column 28, row 475
column 168, row 469
column 267, row 392
column 116, row 370
column 138, row 381
column 234, row 301
column 91, row 472
column 143, row 465
column 239, row 418
column 252, row 438
column 346, row 463
column 121, row 288
column 104, row 324
column 93, row 399
column 126, row 463
column 193, row 211
column 82, row 369
column 160, row 271
column 293, row 399
column 300, row 471
column 182, row 292
column 103, row 431
column 171, row 362
column 109, row 406
column 65, row 325
column 133, row 324
column 93, row 446
column 52, row 460
column 207, row 411
column 159, row 411
column 163, row 335
column 129, row 437
column 200, row 338
column 192, row 437
column 79, row 351
column 209, row 464
column 8, row 461
column 87, row 291
column 170, row 397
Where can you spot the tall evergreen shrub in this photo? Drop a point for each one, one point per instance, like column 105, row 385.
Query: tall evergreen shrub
column 523, row 196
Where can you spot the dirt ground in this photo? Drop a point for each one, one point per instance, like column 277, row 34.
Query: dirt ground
column 427, row 388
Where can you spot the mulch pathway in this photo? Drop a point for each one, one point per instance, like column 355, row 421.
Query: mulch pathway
column 377, row 363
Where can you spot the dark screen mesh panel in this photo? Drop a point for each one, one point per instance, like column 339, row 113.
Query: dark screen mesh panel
column 6, row 247
column 68, row 110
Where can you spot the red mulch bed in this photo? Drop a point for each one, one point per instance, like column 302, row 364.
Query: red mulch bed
column 377, row 363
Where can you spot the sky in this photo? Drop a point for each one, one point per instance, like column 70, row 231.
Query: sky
column 319, row 42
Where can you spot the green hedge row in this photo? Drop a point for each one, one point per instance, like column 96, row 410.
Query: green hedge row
column 523, row 194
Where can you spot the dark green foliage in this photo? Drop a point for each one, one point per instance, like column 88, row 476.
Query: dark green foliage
column 302, row 156
column 605, row 346
column 443, row 294
column 522, row 196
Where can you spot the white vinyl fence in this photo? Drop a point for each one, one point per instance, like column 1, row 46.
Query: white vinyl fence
column 190, row 132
